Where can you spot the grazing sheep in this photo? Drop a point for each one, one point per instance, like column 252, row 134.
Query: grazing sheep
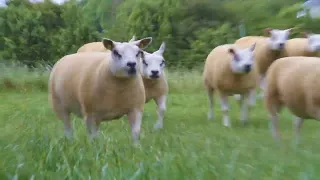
column 268, row 49
column 93, row 47
column 154, row 80
column 230, row 70
column 100, row 86
column 307, row 46
column 293, row 82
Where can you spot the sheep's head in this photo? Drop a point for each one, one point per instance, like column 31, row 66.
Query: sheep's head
column 277, row 37
column 242, row 59
column 125, row 55
column 313, row 41
column 153, row 63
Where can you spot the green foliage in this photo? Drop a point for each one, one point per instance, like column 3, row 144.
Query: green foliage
column 44, row 32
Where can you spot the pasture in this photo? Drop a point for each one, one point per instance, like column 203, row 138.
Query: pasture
column 190, row 146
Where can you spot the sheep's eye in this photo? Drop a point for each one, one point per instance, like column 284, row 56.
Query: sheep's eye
column 162, row 63
column 144, row 62
column 115, row 52
column 236, row 57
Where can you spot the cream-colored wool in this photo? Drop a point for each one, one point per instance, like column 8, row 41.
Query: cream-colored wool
column 307, row 46
column 248, row 40
column 100, row 86
column 293, row 82
column 154, row 79
column 93, row 47
column 225, row 72
column 267, row 50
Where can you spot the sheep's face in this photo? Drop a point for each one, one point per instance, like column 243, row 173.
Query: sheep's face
column 313, row 42
column 153, row 63
column 242, row 59
column 125, row 56
column 277, row 37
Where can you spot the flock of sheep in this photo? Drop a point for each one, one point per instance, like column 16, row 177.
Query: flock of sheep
column 107, row 80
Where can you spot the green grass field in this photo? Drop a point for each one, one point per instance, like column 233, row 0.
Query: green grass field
column 190, row 146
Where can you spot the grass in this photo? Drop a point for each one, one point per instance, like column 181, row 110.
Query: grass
column 189, row 147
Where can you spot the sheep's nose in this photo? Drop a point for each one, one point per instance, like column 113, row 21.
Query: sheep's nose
column 154, row 72
column 131, row 64
column 247, row 68
column 281, row 45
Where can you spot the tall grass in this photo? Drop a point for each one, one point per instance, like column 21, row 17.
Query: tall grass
column 32, row 144
column 20, row 78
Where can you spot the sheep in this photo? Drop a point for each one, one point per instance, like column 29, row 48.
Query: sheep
column 154, row 80
column 292, row 82
column 100, row 86
column 307, row 46
column 93, row 47
column 230, row 70
column 268, row 50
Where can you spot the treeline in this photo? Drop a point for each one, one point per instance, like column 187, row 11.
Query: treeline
column 44, row 32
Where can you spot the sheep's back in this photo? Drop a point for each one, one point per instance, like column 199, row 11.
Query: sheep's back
column 296, row 83
column 93, row 47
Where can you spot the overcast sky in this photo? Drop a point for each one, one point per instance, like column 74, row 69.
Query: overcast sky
column 56, row 1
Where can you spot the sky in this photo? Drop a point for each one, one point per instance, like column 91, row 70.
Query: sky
column 56, row 1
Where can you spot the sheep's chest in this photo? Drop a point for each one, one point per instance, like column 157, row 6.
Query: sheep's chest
column 235, row 84
column 117, row 100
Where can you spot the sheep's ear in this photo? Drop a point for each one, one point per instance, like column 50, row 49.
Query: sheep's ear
column 231, row 51
column 267, row 31
column 143, row 43
column 306, row 34
column 133, row 38
column 162, row 48
column 108, row 43
column 253, row 46
column 291, row 29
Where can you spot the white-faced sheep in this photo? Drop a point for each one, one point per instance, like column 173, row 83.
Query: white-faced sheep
column 100, row 86
column 154, row 79
column 93, row 47
column 267, row 51
column 230, row 70
column 293, row 82
column 307, row 46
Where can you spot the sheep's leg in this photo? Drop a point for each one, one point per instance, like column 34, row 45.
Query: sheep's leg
column 210, row 103
column 252, row 97
column 244, row 108
column 161, row 103
column 135, row 119
column 92, row 126
column 262, row 86
column 297, row 121
column 67, row 125
column 273, row 115
column 64, row 115
column 225, row 109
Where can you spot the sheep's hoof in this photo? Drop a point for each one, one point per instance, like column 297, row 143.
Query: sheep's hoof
column 136, row 144
column 210, row 116
column 68, row 135
column 244, row 122
column 226, row 123
column 158, row 126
